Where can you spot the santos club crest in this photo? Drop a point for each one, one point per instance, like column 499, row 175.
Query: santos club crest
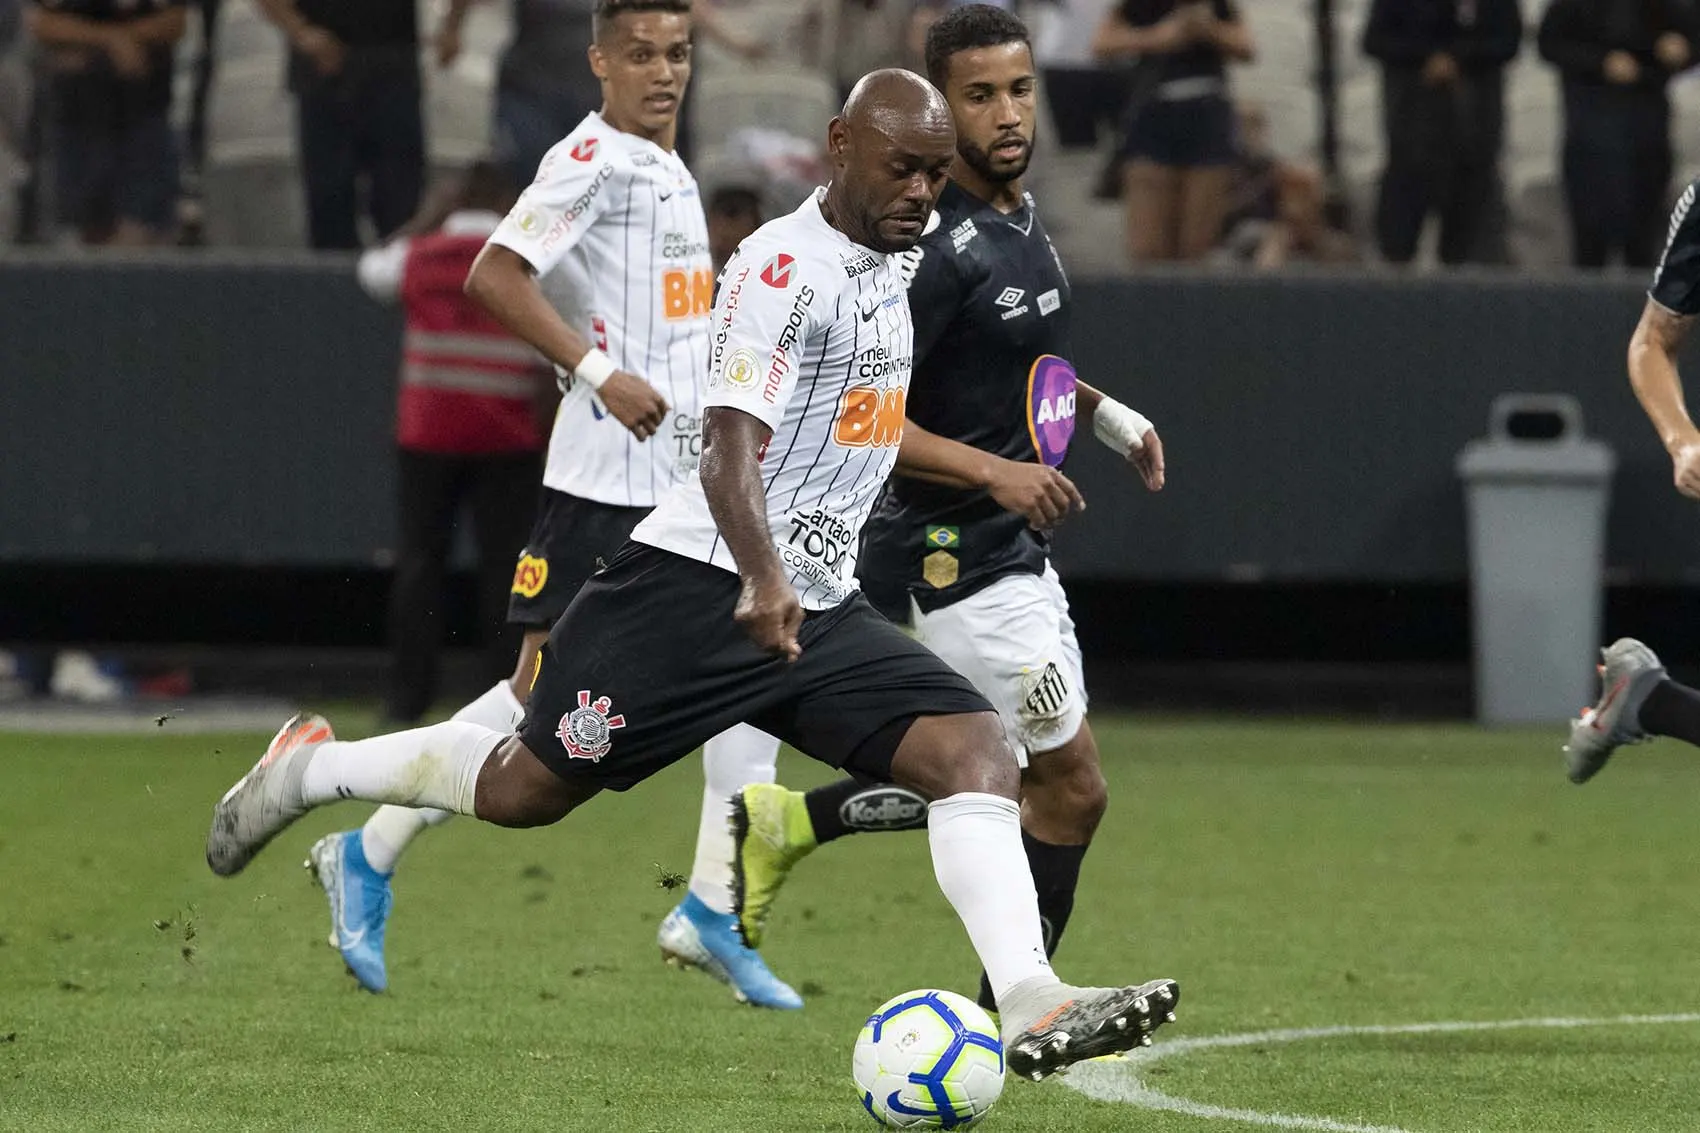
column 587, row 731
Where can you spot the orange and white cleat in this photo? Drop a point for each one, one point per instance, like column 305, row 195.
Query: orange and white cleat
column 267, row 799
column 1630, row 672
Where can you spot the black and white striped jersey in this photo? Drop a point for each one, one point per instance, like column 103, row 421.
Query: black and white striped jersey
column 812, row 335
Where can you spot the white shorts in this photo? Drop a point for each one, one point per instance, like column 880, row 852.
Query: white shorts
column 1015, row 641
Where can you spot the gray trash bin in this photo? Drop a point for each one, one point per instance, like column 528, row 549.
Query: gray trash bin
column 1536, row 509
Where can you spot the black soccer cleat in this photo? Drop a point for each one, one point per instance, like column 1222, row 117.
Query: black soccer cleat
column 1090, row 1023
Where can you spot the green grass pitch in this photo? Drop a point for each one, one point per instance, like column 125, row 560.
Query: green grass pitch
column 1290, row 875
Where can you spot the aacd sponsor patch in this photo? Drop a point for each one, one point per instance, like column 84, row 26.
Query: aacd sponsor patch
column 530, row 576
column 939, row 569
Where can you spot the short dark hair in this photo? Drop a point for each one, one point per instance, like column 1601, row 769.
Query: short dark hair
column 966, row 28
column 607, row 11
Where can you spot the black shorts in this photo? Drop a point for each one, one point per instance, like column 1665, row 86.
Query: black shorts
column 648, row 664
column 570, row 541
column 1193, row 133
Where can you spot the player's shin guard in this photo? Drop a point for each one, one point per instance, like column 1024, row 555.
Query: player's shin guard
column 850, row 806
column 736, row 757
column 978, row 859
column 1672, row 710
column 389, row 831
column 436, row 767
column 1056, row 874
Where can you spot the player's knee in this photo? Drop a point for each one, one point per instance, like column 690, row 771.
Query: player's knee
column 947, row 755
column 1067, row 788
column 514, row 789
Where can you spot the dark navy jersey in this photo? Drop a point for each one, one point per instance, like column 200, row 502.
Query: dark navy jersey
column 1676, row 282
column 991, row 309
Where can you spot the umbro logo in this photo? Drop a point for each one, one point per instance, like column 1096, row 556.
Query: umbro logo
column 1010, row 297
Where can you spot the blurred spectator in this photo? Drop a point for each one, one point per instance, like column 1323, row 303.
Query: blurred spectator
column 15, row 111
column 108, row 65
column 733, row 213
column 1443, row 111
column 1084, row 97
column 354, row 68
column 864, row 36
column 1616, row 58
column 1178, row 151
column 1275, row 207
column 470, row 426
column 544, row 86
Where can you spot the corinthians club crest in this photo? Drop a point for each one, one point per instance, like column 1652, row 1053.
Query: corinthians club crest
column 587, row 731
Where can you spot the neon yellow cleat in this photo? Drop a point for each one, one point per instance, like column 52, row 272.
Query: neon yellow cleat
column 771, row 832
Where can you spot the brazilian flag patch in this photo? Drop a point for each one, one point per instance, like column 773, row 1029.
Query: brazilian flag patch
column 946, row 537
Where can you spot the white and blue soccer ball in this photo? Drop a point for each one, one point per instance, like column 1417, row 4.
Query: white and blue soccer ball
column 928, row 1060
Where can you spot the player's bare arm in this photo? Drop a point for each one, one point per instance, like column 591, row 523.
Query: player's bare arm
column 503, row 283
column 1658, row 385
column 1144, row 447
column 1037, row 491
column 768, row 609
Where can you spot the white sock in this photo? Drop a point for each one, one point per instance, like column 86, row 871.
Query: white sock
column 435, row 766
column 389, row 830
column 982, row 869
column 737, row 756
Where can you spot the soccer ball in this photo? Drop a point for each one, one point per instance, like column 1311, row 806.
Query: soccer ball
column 928, row 1060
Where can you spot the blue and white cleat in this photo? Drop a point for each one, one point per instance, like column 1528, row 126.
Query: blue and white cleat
column 1630, row 671
column 360, row 905
column 695, row 936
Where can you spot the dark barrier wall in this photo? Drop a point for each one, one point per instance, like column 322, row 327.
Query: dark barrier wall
column 222, row 411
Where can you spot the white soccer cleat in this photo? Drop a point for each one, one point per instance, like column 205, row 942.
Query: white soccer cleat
column 1052, row 1026
column 267, row 799
column 1629, row 673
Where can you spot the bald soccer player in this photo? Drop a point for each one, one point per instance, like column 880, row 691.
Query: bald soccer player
column 774, row 632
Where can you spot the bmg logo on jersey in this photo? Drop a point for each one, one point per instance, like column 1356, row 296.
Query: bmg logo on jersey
column 869, row 417
column 686, row 293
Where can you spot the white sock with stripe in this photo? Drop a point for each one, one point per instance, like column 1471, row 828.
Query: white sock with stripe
column 389, row 830
column 982, row 869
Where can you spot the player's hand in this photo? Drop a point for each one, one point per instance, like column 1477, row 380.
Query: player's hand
column 1621, row 68
column 129, row 58
column 322, row 47
column 1036, row 491
column 1175, row 32
column 770, row 613
column 634, row 403
column 1686, row 465
column 1148, row 459
column 1440, row 70
column 448, row 44
column 1672, row 50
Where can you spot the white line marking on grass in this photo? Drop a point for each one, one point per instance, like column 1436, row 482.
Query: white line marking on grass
column 1119, row 1080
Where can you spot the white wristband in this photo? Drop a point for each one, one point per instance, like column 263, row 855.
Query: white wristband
column 1119, row 427
column 594, row 369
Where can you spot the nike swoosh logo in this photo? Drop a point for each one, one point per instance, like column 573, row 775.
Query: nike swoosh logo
column 1607, row 702
column 667, row 195
column 868, row 313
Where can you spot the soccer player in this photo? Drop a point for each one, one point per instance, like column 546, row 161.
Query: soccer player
column 1637, row 700
column 735, row 601
column 963, row 553
column 603, row 267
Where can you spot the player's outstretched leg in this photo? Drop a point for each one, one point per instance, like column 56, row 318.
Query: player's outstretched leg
column 974, row 827
column 354, row 866
column 702, row 931
column 1637, row 702
column 452, row 766
column 774, row 828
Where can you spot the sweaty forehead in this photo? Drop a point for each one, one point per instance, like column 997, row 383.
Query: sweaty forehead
column 927, row 132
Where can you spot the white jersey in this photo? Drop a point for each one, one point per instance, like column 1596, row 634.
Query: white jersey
column 812, row 336
column 613, row 225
